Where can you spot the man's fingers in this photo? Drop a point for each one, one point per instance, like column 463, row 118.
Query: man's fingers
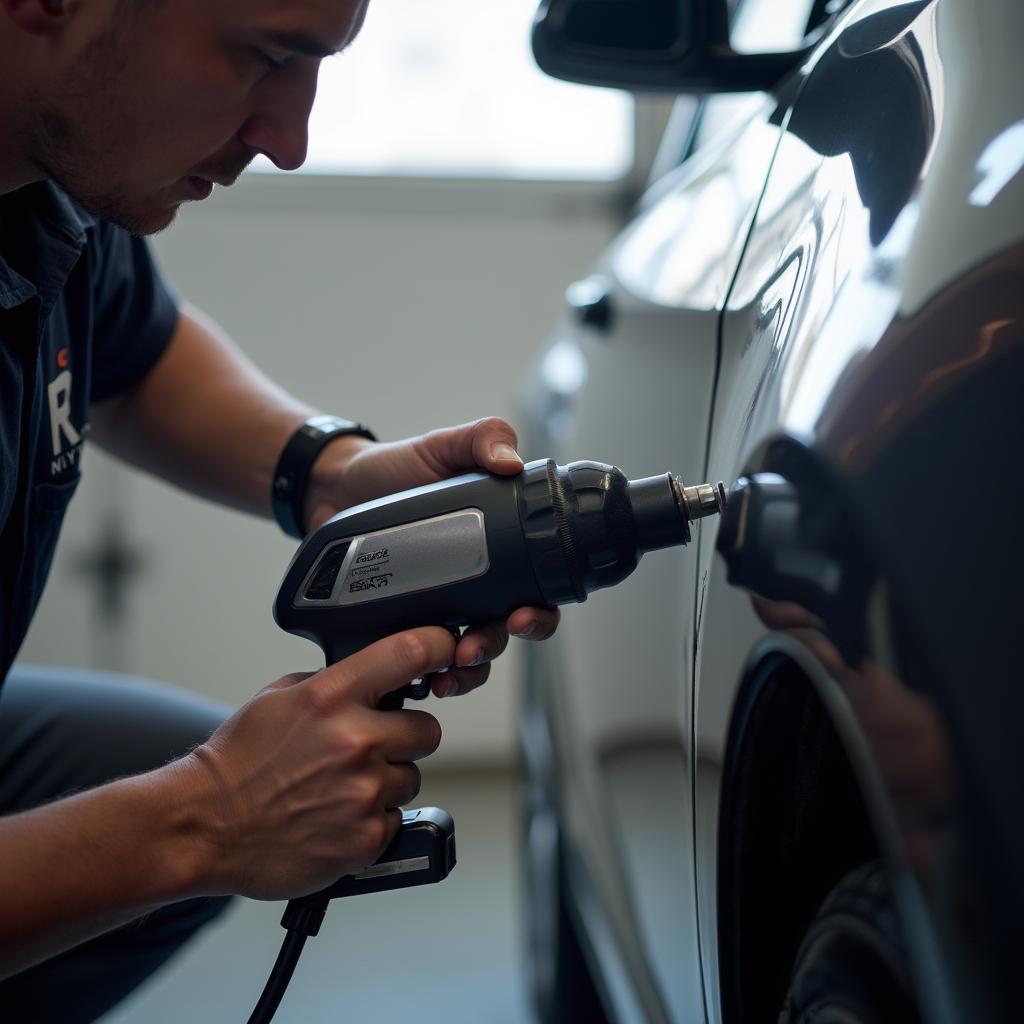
column 410, row 735
column 457, row 681
column 401, row 785
column 394, row 823
column 383, row 667
column 482, row 644
column 533, row 623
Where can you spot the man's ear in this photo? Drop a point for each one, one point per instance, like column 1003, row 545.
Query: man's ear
column 38, row 17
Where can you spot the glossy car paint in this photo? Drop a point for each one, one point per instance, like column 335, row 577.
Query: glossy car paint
column 881, row 284
column 874, row 301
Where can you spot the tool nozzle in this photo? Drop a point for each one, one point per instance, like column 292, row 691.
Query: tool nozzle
column 663, row 509
column 702, row 500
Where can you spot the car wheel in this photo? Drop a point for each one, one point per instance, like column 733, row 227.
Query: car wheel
column 559, row 978
column 852, row 966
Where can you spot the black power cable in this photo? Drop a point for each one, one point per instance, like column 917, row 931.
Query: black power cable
column 302, row 918
column 422, row 852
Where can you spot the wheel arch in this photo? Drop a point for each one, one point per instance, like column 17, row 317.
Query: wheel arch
column 799, row 808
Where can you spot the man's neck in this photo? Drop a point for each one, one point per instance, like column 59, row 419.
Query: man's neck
column 12, row 184
column 17, row 168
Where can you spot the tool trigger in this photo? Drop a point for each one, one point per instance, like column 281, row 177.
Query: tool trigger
column 418, row 689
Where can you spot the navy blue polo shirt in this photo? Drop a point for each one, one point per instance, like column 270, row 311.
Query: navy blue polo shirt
column 83, row 316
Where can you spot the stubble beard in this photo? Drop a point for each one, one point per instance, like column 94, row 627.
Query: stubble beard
column 87, row 132
column 78, row 139
column 68, row 163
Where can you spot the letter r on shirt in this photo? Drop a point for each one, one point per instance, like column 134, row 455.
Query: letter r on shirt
column 59, row 390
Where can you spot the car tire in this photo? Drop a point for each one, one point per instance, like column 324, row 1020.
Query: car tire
column 561, row 986
column 851, row 967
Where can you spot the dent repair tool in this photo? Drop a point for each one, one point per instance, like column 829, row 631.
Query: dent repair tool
column 458, row 553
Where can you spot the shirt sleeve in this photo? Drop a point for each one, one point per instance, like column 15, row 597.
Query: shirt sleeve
column 135, row 313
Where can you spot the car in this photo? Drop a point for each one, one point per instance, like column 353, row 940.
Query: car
column 774, row 776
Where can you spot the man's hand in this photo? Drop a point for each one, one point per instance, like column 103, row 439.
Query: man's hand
column 352, row 470
column 299, row 787
column 303, row 784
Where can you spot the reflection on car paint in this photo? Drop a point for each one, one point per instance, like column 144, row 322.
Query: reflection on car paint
column 838, row 184
column 682, row 250
column 878, row 376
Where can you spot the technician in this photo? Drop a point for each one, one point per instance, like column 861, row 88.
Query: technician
column 112, row 114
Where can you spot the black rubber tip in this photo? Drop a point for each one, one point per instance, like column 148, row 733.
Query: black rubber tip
column 659, row 519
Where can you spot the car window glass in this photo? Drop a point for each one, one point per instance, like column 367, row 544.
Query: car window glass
column 770, row 26
column 757, row 26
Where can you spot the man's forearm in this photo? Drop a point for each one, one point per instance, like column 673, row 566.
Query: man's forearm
column 83, row 865
column 204, row 418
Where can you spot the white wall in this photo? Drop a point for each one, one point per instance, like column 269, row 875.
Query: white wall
column 405, row 309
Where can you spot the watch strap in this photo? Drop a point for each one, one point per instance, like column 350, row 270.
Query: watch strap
column 291, row 475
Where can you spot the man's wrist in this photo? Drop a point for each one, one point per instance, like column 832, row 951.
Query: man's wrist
column 292, row 475
column 90, row 862
column 189, row 857
column 325, row 491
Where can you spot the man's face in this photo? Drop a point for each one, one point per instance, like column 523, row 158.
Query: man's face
column 164, row 97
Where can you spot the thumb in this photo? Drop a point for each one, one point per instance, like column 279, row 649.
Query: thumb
column 488, row 444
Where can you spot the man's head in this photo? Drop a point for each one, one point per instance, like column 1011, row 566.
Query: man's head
column 135, row 106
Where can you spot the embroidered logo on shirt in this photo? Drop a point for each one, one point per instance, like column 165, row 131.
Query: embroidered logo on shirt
column 66, row 440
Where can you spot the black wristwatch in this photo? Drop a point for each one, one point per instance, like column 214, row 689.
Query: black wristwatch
column 291, row 476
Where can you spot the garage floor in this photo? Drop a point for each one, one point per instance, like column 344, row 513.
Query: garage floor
column 446, row 953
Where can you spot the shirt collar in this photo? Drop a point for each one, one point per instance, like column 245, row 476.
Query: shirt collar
column 50, row 233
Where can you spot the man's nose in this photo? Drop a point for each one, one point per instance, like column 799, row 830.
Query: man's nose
column 278, row 125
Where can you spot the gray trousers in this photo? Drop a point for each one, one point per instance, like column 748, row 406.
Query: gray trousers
column 63, row 731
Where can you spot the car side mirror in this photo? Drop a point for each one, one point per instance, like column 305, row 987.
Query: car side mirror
column 671, row 46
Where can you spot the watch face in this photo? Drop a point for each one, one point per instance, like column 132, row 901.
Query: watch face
column 315, row 426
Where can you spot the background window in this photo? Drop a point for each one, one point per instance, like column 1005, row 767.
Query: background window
column 448, row 88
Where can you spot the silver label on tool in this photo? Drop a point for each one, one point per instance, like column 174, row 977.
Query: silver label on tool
column 393, row 867
column 404, row 559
